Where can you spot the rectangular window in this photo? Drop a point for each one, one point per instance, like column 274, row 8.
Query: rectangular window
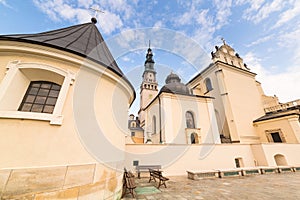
column 237, row 163
column 41, row 97
column 276, row 137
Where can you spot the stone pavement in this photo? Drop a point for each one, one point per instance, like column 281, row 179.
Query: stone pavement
column 268, row 186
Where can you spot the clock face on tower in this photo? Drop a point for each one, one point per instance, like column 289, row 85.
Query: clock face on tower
column 150, row 77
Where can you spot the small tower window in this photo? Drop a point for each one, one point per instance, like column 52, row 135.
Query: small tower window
column 208, row 85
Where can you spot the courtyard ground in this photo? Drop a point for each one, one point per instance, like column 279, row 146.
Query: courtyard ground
column 268, row 186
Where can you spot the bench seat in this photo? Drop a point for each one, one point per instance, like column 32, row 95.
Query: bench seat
column 154, row 174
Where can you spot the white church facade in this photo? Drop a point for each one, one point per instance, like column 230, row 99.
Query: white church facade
column 221, row 116
column 64, row 125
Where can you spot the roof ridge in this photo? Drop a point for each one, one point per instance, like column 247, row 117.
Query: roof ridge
column 77, row 37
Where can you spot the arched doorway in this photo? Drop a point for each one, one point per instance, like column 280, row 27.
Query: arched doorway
column 194, row 138
column 280, row 160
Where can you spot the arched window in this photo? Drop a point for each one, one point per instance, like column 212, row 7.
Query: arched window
column 280, row 160
column 154, row 125
column 133, row 124
column 208, row 85
column 41, row 97
column 190, row 123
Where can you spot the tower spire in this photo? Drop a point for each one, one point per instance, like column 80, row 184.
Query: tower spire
column 149, row 86
column 149, row 63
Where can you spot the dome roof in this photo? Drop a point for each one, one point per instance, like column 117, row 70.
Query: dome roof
column 173, row 85
column 172, row 78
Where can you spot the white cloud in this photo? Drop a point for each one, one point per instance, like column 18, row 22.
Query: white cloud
column 85, row 3
column 223, row 8
column 260, row 40
column 289, row 14
column 255, row 5
column 281, row 84
column 109, row 22
column 125, row 58
column 260, row 10
column 59, row 10
column 290, row 40
column 204, row 21
column 158, row 24
column 118, row 6
column 3, row 2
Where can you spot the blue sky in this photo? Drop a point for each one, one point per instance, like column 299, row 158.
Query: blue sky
column 266, row 33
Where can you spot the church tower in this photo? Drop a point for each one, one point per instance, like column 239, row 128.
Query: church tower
column 149, row 85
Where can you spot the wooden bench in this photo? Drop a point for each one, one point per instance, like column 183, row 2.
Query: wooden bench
column 155, row 174
column 128, row 183
column 145, row 168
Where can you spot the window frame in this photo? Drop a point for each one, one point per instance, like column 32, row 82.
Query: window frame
column 14, row 69
column 270, row 137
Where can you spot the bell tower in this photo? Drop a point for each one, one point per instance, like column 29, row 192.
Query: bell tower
column 149, row 84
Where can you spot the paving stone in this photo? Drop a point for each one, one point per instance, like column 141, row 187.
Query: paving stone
column 4, row 174
column 264, row 187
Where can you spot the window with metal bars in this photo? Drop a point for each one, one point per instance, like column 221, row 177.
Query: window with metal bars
column 41, row 97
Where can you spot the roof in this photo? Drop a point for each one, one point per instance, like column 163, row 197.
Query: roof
column 278, row 114
column 84, row 40
column 174, row 85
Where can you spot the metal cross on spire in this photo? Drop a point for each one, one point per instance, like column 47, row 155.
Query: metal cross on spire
column 96, row 10
column 224, row 42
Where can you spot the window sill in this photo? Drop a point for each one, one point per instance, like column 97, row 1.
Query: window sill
column 54, row 119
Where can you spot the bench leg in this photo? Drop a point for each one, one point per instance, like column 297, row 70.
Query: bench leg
column 151, row 178
column 139, row 174
column 161, row 183
column 132, row 192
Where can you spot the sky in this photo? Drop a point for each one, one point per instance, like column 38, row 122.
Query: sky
column 265, row 33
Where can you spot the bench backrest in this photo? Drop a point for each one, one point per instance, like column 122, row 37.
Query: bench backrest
column 148, row 167
column 155, row 173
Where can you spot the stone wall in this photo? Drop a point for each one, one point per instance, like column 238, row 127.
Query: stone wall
column 91, row 181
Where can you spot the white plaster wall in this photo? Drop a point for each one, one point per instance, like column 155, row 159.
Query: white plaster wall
column 33, row 143
column 289, row 151
column 176, row 159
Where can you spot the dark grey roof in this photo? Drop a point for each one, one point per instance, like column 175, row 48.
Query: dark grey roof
column 173, row 85
column 279, row 114
column 84, row 40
